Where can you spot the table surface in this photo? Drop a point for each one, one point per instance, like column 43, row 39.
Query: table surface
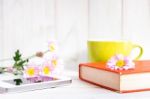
column 77, row 90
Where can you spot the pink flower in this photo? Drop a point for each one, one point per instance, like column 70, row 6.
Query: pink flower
column 46, row 68
column 52, row 46
column 31, row 71
column 54, row 61
column 9, row 69
column 120, row 62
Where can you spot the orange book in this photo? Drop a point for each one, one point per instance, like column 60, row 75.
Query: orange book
column 121, row 81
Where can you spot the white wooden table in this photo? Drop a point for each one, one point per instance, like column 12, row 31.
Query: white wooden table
column 77, row 90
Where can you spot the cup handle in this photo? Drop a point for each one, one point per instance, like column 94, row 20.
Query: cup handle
column 141, row 51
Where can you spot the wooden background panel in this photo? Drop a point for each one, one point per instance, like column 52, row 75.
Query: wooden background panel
column 1, row 27
column 72, row 30
column 137, row 24
column 105, row 19
column 27, row 24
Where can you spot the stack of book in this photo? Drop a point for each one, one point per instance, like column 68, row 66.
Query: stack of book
column 121, row 81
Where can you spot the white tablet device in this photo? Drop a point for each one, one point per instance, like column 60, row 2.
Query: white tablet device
column 28, row 84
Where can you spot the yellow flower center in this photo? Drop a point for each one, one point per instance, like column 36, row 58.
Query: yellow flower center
column 120, row 63
column 31, row 71
column 54, row 62
column 52, row 47
column 46, row 70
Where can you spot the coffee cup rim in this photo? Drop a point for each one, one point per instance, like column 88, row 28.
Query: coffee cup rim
column 93, row 40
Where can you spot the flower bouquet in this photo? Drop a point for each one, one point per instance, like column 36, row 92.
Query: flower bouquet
column 50, row 66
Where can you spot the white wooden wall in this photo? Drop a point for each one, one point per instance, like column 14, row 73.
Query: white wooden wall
column 28, row 24
column 71, row 30
column 137, row 23
column 105, row 19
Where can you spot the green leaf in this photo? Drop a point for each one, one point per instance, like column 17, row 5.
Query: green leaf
column 17, row 56
column 18, row 81
column 19, row 62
